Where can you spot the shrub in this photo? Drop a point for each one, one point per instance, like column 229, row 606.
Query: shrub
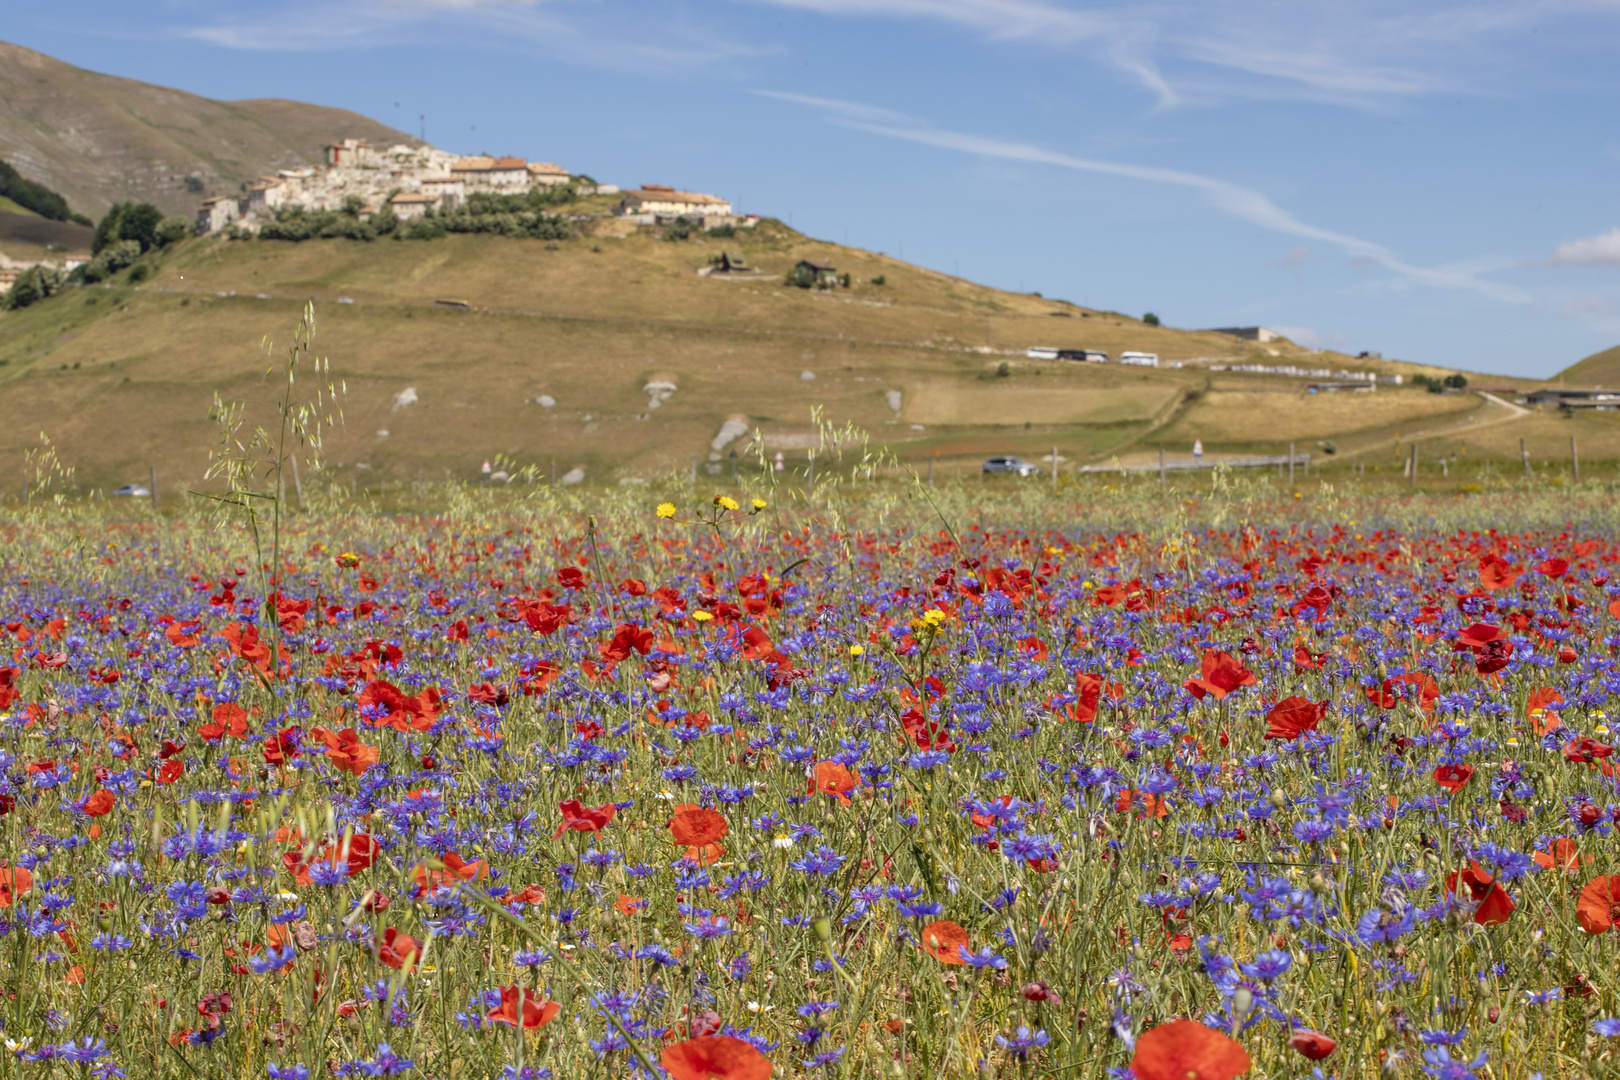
column 1456, row 381
column 724, row 232
column 679, row 229
column 109, row 260
column 1003, row 370
column 1150, row 319
column 139, row 273
column 36, row 197
column 880, row 280
column 33, row 285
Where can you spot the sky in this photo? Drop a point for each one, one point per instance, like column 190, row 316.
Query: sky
column 1436, row 183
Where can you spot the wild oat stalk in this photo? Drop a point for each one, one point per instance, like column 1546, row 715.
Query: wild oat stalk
column 254, row 469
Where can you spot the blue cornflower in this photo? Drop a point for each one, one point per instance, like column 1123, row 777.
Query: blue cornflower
column 387, row 1063
column 274, row 960
column 1268, row 965
column 823, row 862
column 812, row 1009
column 823, row 1059
column 1439, row 1064
column 288, row 1072
column 1442, row 1037
column 984, row 958
column 1022, row 1043
column 1608, row 1027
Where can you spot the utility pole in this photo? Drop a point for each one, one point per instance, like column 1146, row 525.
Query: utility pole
column 1413, row 470
column 1524, row 457
column 1161, row 466
column 1574, row 462
column 1054, row 466
column 1290, row 465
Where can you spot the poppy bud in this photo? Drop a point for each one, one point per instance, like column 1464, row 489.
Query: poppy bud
column 1242, row 1001
column 1038, row 991
column 428, row 762
column 1588, row 814
column 823, row 929
column 1319, row 884
column 1493, row 1014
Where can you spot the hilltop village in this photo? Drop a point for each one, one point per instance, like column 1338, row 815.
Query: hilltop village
column 412, row 181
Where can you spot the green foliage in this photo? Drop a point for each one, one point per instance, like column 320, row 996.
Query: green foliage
column 295, row 223
column 723, row 232
column 880, row 280
column 679, row 229
column 1150, row 319
column 33, row 285
column 141, row 222
column 800, row 277
column 139, row 273
column 36, row 197
column 1003, row 370
column 1456, row 381
column 427, row 227
column 109, row 260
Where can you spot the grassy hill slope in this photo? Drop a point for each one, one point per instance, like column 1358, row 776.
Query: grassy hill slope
column 1599, row 369
column 99, row 139
column 123, row 377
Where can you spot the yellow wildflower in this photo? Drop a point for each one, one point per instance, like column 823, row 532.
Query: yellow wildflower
column 666, row 510
column 759, row 504
column 857, row 650
column 701, row 616
column 725, row 502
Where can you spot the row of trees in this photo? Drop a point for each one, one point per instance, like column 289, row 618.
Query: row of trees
column 36, row 197
column 504, row 215
column 124, row 234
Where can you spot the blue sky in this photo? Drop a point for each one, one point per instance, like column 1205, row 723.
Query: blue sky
column 1438, row 183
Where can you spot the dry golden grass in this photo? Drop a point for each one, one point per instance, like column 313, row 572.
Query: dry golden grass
column 122, row 378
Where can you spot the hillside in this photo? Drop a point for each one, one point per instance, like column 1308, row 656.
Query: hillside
column 560, row 357
column 1599, row 369
column 98, row 139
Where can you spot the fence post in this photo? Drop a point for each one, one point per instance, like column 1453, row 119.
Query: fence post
column 1054, row 465
column 1290, row 464
column 692, row 485
column 930, row 472
column 810, row 486
column 152, row 485
column 1524, row 457
column 1161, row 466
column 1414, row 465
column 553, row 472
column 1574, row 462
column 298, row 485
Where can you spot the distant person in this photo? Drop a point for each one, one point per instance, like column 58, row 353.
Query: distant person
column 780, row 463
column 1198, row 448
column 487, row 469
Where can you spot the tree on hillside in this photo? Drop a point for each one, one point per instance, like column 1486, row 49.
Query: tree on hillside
column 1150, row 319
column 36, row 197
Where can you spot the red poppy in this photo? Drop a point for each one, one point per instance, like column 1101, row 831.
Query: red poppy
column 700, row 829
column 1561, row 853
column 581, row 818
column 1220, row 674
column 945, row 941
column 355, row 854
column 404, row 713
column 99, row 804
column 14, row 881
column 452, row 867
column 833, row 779
column 1187, row 1050
column 714, row 1057
column 345, row 750
column 1313, row 1044
column 1540, row 709
column 397, row 950
column 1307, row 660
column 1554, row 568
column 1585, row 750
column 1599, row 904
column 170, row 771
column 1151, row 805
column 1491, row 903
column 1392, row 691
column 229, row 719
column 1088, row 688
column 1293, row 716
column 1496, row 573
column 521, row 1008
column 1453, row 777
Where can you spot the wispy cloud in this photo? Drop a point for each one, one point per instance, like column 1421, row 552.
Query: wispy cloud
column 581, row 34
column 1362, row 53
column 1235, row 200
column 1600, row 250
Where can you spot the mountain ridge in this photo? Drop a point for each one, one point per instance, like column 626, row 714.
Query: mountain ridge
column 100, row 139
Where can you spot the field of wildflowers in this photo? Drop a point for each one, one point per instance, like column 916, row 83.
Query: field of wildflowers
column 911, row 787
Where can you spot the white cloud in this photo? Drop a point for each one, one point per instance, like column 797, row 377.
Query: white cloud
column 1358, row 52
column 1600, row 250
column 1235, row 200
column 1294, row 258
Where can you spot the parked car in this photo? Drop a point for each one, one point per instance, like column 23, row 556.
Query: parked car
column 132, row 491
column 1009, row 465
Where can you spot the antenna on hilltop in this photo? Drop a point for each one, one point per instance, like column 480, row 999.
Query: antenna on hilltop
column 423, row 117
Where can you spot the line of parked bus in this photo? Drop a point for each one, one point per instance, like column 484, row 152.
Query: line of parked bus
column 1091, row 356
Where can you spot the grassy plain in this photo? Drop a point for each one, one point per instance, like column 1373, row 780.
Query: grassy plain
column 123, row 377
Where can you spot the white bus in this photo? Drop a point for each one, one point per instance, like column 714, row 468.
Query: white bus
column 1139, row 359
column 1041, row 352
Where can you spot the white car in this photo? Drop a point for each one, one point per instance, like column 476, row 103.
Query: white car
column 131, row 491
column 1008, row 464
